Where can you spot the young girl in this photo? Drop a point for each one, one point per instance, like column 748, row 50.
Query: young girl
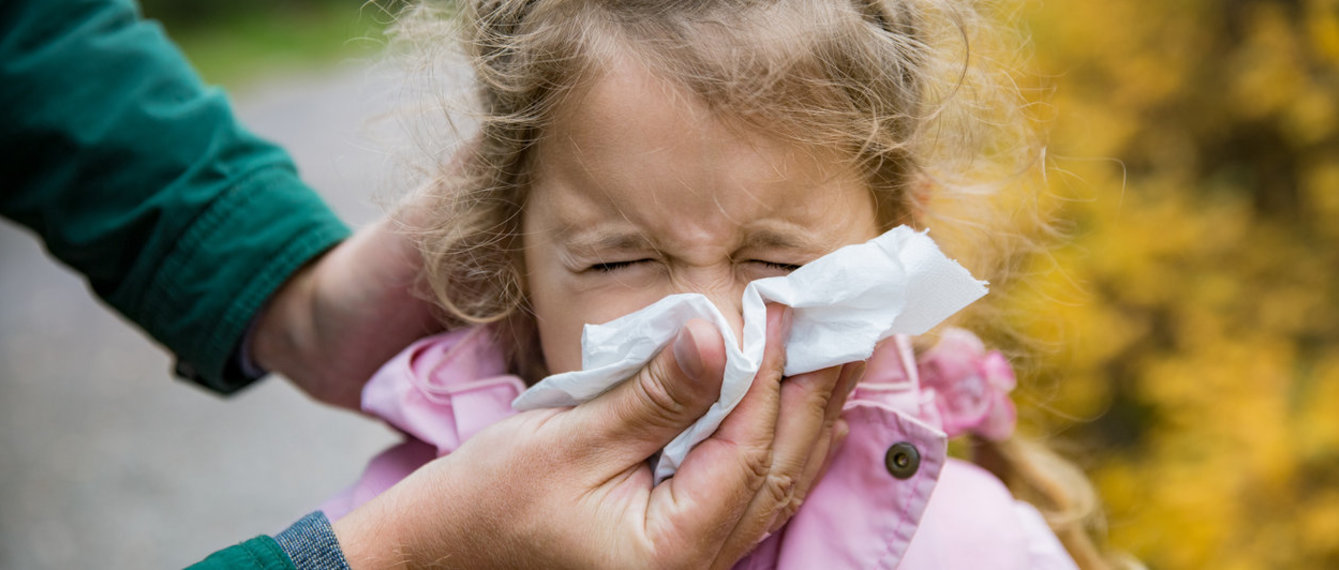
column 629, row 150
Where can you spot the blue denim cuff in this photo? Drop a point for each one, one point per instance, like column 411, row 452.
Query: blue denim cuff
column 310, row 543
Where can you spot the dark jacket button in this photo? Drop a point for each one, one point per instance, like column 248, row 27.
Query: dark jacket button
column 902, row 460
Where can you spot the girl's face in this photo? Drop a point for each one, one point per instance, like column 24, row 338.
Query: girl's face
column 638, row 192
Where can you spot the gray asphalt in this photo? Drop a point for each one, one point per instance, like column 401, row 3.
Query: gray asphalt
column 106, row 460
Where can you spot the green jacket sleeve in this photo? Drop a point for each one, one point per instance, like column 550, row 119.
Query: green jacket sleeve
column 260, row 553
column 137, row 175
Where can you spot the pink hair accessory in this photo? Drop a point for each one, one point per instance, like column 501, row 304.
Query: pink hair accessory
column 971, row 386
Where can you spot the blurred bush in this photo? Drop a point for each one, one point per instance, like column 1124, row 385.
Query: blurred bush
column 1195, row 159
column 235, row 42
column 201, row 13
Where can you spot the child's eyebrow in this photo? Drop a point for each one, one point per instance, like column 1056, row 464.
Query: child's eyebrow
column 602, row 241
column 770, row 238
column 797, row 241
column 591, row 242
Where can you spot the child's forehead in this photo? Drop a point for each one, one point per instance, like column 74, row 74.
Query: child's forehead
column 625, row 87
column 772, row 89
column 629, row 101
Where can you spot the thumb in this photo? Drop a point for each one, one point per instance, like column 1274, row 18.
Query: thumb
column 639, row 416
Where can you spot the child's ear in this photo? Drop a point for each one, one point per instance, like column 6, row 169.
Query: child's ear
column 920, row 189
column 907, row 204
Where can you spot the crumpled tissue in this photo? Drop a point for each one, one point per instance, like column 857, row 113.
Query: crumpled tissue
column 843, row 304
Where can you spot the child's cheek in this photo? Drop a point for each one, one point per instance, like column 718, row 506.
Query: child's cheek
column 560, row 325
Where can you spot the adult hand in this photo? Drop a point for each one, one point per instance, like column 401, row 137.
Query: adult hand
column 571, row 488
column 332, row 324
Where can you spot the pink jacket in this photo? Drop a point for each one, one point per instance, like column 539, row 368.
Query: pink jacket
column 891, row 498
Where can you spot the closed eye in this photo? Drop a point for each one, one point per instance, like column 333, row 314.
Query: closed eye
column 775, row 266
column 611, row 266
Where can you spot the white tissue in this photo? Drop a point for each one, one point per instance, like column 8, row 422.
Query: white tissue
column 844, row 303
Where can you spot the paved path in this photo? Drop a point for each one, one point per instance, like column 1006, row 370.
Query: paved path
column 106, row 461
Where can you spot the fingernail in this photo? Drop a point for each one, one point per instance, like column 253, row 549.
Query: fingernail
column 686, row 354
column 857, row 374
column 779, row 319
column 766, row 535
column 840, row 429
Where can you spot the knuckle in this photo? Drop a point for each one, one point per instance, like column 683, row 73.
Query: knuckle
column 810, row 393
column 788, row 509
column 797, row 497
column 818, row 402
column 656, row 387
column 757, row 464
column 775, row 364
column 781, row 489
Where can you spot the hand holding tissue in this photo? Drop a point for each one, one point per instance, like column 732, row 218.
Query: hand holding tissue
column 843, row 304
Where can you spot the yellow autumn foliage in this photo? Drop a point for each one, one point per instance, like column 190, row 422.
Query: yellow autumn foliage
column 1194, row 311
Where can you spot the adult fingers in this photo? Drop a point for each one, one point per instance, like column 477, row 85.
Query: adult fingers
column 697, row 509
column 803, row 403
column 638, row 417
column 737, row 458
column 809, row 406
column 753, row 421
column 813, row 460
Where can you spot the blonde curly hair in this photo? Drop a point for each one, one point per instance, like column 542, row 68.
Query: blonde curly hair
column 938, row 129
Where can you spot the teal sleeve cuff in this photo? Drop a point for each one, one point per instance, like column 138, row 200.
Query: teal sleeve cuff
column 260, row 553
column 227, row 265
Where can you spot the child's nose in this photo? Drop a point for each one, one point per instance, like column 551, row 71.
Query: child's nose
column 725, row 292
column 730, row 306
